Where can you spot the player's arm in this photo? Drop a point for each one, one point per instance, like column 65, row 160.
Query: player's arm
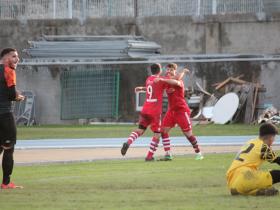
column 268, row 154
column 182, row 74
column 277, row 160
column 137, row 89
column 14, row 95
column 10, row 77
column 169, row 81
column 173, row 82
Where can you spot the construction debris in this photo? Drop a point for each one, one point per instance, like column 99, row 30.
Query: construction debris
column 271, row 115
column 251, row 99
column 225, row 108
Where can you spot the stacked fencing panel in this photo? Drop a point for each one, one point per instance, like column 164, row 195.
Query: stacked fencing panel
column 89, row 91
column 76, row 49
column 91, row 47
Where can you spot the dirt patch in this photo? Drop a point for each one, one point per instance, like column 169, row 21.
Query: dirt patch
column 33, row 156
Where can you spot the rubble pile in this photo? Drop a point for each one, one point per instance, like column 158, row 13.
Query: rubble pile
column 250, row 105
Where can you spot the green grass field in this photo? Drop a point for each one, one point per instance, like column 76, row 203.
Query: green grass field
column 115, row 131
column 182, row 184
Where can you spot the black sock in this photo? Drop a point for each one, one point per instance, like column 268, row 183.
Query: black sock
column 193, row 141
column 275, row 176
column 7, row 164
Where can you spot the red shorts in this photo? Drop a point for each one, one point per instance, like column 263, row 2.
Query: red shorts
column 181, row 118
column 153, row 120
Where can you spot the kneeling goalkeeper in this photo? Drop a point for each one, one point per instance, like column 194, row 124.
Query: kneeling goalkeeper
column 244, row 176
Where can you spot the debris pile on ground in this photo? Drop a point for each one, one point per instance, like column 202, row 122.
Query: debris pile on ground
column 271, row 115
column 233, row 100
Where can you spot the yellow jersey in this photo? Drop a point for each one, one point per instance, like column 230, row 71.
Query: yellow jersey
column 251, row 155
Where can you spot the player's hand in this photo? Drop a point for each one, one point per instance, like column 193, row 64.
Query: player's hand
column 186, row 70
column 20, row 97
column 277, row 160
column 137, row 89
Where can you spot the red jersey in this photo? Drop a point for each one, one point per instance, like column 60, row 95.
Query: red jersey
column 154, row 93
column 176, row 98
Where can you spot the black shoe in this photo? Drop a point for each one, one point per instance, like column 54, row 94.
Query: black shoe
column 149, row 159
column 166, row 158
column 124, row 148
column 268, row 192
column 234, row 192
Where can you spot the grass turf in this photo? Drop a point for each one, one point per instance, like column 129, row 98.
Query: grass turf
column 115, row 131
column 131, row 185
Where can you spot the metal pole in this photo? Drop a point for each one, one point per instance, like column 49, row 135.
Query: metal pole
column 198, row 7
column 261, row 8
column 54, row 9
column 70, row 9
column 159, row 60
column 84, row 11
column 135, row 8
column 214, row 7
column 117, row 94
column 109, row 8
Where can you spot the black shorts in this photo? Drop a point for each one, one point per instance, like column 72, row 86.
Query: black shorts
column 8, row 131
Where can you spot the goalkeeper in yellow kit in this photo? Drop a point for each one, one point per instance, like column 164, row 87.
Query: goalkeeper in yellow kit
column 244, row 176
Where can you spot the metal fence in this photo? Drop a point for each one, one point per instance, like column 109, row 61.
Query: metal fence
column 89, row 91
column 82, row 9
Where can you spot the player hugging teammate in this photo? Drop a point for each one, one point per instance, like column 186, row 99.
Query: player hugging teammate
column 178, row 111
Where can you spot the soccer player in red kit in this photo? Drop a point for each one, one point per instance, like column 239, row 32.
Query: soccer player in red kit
column 178, row 113
column 152, row 108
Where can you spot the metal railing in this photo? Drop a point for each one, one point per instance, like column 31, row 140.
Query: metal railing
column 82, row 9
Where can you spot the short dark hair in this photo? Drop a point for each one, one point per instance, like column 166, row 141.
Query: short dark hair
column 268, row 129
column 155, row 68
column 7, row 51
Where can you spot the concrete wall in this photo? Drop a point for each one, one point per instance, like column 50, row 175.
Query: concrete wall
column 177, row 35
column 216, row 34
column 45, row 84
column 270, row 74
